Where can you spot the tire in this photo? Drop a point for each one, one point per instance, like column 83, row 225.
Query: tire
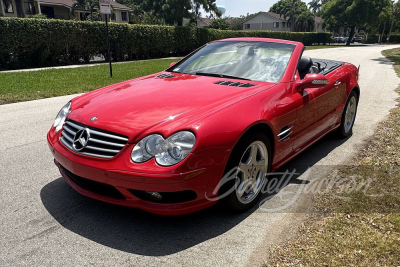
column 348, row 116
column 247, row 166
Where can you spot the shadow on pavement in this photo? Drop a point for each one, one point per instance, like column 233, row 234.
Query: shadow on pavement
column 138, row 232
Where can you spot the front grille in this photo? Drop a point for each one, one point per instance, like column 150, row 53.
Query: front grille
column 236, row 84
column 93, row 186
column 100, row 144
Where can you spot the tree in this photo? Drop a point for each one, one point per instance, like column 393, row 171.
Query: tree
column 395, row 12
column 219, row 24
column 315, row 6
column 85, row 6
column 174, row 11
column 305, row 21
column 350, row 14
column 289, row 9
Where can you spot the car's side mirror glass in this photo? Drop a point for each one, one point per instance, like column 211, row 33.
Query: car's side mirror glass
column 312, row 80
column 172, row 64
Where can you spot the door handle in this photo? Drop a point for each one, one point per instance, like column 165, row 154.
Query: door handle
column 337, row 83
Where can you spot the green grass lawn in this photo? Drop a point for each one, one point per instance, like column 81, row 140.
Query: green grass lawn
column 352, row 227
column 29, row 85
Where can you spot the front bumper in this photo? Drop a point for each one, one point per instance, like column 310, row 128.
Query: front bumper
column 119, row 181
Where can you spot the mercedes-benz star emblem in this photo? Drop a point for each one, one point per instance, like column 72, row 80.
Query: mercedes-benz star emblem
column 93, row 119
column 81, row 139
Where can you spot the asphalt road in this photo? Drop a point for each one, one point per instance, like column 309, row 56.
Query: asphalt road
column 44, row 222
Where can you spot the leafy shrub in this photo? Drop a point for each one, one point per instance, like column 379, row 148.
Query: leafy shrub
column 42, row 42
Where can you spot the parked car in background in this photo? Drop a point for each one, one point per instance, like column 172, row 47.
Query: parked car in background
column 357, row 39
column 339, row 39
column 209, row 128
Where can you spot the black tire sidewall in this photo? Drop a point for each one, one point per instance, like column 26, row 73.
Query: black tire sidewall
column 231, row 200
column 342, row 131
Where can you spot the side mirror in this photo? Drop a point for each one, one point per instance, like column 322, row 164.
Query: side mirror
column 312, row 80
column 172, row 64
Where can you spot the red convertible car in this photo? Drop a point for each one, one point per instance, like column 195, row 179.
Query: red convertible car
column 211, row 127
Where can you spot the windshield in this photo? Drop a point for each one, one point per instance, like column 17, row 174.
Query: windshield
column 248, row 60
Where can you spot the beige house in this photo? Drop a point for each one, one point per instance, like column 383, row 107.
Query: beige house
column 57, row 9
column 266, row 21
column 269, row 21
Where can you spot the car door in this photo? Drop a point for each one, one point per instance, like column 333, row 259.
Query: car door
column 316, row 111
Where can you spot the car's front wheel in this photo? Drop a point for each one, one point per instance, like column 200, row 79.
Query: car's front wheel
column 248, row 166
column 349, row 115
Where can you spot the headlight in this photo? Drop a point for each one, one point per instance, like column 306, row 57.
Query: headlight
column 167, row 152
column 61, row 116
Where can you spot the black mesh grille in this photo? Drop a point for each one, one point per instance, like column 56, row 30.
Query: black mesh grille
column 93, row 186
column 167, row 197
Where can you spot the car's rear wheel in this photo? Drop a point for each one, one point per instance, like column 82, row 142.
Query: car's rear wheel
column 248, row 165
column 349, row 115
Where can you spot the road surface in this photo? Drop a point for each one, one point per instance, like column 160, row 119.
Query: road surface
column 44, row 222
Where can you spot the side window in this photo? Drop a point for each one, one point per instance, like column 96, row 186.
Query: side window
column 8, row 7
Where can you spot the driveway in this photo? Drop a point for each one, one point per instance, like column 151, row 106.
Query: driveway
column 44, row 222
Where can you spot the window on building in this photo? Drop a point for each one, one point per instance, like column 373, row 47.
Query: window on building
column 113, row 17
column 276, row 24
column 48, row 11
column 283, row 24
column 124, row 16
column 289, row 25
column 29, row 8
column 247, row 26
column 8, row 7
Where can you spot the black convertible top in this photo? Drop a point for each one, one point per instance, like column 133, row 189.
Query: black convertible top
column 326, row 66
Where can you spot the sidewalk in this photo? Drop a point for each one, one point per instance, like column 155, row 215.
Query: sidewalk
column 80, row 66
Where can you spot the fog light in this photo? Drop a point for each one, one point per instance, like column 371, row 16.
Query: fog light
column 154, row 195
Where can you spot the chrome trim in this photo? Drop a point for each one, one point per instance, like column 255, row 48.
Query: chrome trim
column 105, row 143
column 102, row 149
column 74, row 125
column 97, row 155
column 99, row 144
column 285, row 131
column 108, row 135
column 67, row 137
column 338, row 83
column 68, row 130
column 285, row 134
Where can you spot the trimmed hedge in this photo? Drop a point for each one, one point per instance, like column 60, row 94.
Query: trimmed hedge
column 28, row 43
column 374, row 38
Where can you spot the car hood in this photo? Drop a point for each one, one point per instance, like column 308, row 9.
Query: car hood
column 158, row 104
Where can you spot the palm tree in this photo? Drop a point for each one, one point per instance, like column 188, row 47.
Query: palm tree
column 85, row 6
column 290, row 11
column 305, row 21
column 315, row 6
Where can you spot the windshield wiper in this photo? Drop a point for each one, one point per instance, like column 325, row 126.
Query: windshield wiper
column 220, row 75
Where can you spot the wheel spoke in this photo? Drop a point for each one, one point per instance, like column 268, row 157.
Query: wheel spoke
column 251, row 172
column 253, row 153
column 241, row 189
column 254, row 185
column 243, row 168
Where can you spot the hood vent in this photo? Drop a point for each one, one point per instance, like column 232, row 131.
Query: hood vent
column 236, row 84
column 166, row 76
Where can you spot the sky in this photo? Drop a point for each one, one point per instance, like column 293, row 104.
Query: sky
column 235, row 8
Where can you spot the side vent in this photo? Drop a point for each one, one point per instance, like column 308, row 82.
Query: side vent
column 285, row 133
column 236, row 84
column 166, row 76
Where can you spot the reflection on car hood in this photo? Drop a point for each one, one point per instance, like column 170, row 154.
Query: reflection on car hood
column 153, row 104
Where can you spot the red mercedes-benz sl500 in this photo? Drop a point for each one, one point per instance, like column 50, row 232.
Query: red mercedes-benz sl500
column 211, row 127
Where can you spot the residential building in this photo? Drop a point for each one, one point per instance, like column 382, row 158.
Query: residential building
column 57, row 9
column 269, row 21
